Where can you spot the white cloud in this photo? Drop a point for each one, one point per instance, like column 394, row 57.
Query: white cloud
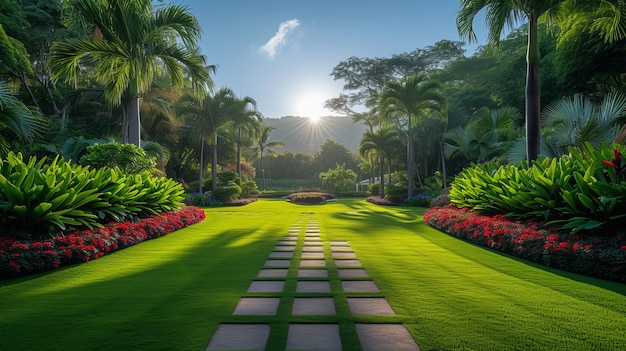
column 279, row 39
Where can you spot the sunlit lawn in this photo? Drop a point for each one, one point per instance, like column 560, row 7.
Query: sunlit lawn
column 171, row 293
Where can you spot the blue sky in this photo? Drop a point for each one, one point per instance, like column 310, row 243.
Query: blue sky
column 281, row 52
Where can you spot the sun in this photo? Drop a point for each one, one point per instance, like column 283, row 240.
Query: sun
column 311, row 105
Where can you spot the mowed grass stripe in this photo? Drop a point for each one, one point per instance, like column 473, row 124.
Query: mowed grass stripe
column 461, row 296
column 171, row 293
column 164, row 294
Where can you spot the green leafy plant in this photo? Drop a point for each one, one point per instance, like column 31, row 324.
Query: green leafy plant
column 38, row 197
column 338, row 179
column 583, row 190
column 374, row 189
column 128, row 157
column 249, row 189
column 227, row 192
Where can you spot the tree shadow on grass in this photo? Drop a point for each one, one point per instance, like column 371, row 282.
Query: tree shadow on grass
column 172, row 299
column 600, row 283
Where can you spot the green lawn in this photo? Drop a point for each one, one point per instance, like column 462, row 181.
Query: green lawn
column 171, row 293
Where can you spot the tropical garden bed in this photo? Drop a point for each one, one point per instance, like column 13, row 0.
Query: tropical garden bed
column 310, row 198
column 593, row 255
column 19, row 257
column 567, row 212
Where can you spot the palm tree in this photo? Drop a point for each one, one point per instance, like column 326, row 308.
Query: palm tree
column 575, row 120
column 509, row 12
column 410, row 99
column 263, row 144
column 205, row 117
column 245, row 121
column 17, row 120
column 489, row 134
column 382, row 142
column 129, row 44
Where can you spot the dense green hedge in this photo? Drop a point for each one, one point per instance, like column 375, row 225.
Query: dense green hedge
column 583, row 190
column 39, row 197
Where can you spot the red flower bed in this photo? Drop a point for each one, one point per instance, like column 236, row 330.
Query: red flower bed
column 597, row 256
column 23, row 257
column 310, row 197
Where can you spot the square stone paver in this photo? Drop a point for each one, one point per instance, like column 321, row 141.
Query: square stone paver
column 347, row 273
column 313, row 287
column 281, row 254
column 262, row 286
column 273, row 272
column 360, row 286
column 277, row 263
column 317, row 248
column 307, row 337
column 312, row 263
column 369, row 306
column 287, row 243
column 313, row 306
column 312, row 273
column 240, row 337
column 385, row 337
column 344, row 255
column 284, row 248
column 312, row 242
column 341, row 249
column 265, row 306
column 348, row 263
column 312, row 255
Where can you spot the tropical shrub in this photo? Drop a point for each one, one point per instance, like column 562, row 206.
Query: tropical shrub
column 374, row 189
column 435, row 181
column 128, row 157
column 20, row 257
column 583, row 190
column 47, row 198
column 338, row 179
column 593, row 255
column 227, row 192
column 249, row 189
column 421, row 199
column 228, row 177
column 396, row 193
column 204, row 200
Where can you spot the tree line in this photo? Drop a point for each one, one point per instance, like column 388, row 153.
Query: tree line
column 80, row 72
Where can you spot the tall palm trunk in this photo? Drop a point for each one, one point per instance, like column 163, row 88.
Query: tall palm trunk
column 201, row 173
column 214, row 163
column 443, row 164
column 238, row 163
column 134, row 123
column 532, row 90
column 410, row 163
column 263, row 170
column 382, row 173
column 134, row 134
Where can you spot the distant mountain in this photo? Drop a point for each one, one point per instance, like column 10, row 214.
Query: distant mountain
column 300, row 134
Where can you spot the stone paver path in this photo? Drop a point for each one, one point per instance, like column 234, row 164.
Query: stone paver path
column 302, row 262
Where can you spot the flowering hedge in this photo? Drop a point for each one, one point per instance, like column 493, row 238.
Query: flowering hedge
column 598, row 256
column 310, row 197
column 23, row 257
